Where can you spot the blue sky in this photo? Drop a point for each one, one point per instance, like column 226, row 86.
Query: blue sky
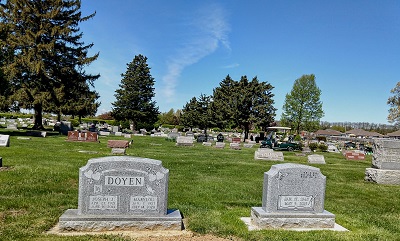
column 352, row 47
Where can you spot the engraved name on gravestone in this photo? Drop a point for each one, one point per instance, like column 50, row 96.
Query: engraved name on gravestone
column 293, row 196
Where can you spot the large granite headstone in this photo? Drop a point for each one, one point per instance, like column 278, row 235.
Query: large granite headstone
column 5, row 140
column 268, row 155
column 122, row 193
column 293, row 197
column 385, row 162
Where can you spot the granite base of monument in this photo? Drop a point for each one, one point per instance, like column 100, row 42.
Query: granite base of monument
column 265, row 220
column 72, row 221
column 382, row 176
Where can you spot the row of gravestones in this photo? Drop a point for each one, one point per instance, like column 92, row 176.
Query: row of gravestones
column 131, row 193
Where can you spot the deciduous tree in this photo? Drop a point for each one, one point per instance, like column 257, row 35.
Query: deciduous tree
column 394, row 103
column 302, row 109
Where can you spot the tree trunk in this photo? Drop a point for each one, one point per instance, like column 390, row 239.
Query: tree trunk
column 38, row 117
column 59, row 116
column 246, row 132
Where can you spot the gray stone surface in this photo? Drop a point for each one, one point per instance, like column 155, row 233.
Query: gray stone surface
column 293, row 197
column 386, row 154
column 5, row 140
column 385, row 162
column 184, row 141
column 316, row 159
column 234, row 145
column 220, row 145
column 382, row 176
column 207, row 143
column 121, row 192
column 118, row 151
column 268, row 155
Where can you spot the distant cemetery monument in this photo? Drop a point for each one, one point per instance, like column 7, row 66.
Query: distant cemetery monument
column 385, row 162
column 122, row 193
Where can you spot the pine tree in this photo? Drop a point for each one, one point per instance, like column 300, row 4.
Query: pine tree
column 48, row 55
column 134, row 98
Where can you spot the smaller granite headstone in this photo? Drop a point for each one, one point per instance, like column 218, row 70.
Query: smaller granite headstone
column 268, row 155
column 118, row 151
column 127, row 136
column 234, row 145
column 220, row 145
column 118, row 133
column 5, row 140
column 293, row 197
column 104, row 133
column 184, row 141
column 316, row 159
column 207, row 143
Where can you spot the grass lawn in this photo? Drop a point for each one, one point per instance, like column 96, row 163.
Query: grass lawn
column 212, row 188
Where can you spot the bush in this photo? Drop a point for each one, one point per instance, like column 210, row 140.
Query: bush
column 74, row 122
column 323, row 147
column 313, row 146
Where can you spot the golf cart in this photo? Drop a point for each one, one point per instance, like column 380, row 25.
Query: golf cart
column 274, row 141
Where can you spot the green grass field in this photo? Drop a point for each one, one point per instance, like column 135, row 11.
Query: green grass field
column 212, row 188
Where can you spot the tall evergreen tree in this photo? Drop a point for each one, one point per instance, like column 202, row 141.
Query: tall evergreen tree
column 48, row 54
column 254, row 104
column 302, row 109
column 224, row 103
column 190, row 113
column 244, row 103
column 134, row 98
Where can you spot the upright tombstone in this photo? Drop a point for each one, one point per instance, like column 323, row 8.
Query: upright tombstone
column 5, row 140
column 184, row 141
column 268, row 155
column 385, row 162
column 122, row 193
column 220, row 137
column 293, row 197
column 316, row 159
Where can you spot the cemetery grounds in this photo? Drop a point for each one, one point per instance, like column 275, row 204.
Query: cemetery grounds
column 213, row 188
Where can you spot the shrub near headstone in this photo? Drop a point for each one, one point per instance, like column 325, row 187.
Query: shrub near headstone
column 293, row 197
column 122, row 193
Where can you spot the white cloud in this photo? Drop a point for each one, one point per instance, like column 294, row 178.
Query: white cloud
column 205, row 33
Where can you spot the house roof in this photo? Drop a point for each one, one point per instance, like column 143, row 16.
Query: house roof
column 361, row 132
column 396, row 133
column 328, row 132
